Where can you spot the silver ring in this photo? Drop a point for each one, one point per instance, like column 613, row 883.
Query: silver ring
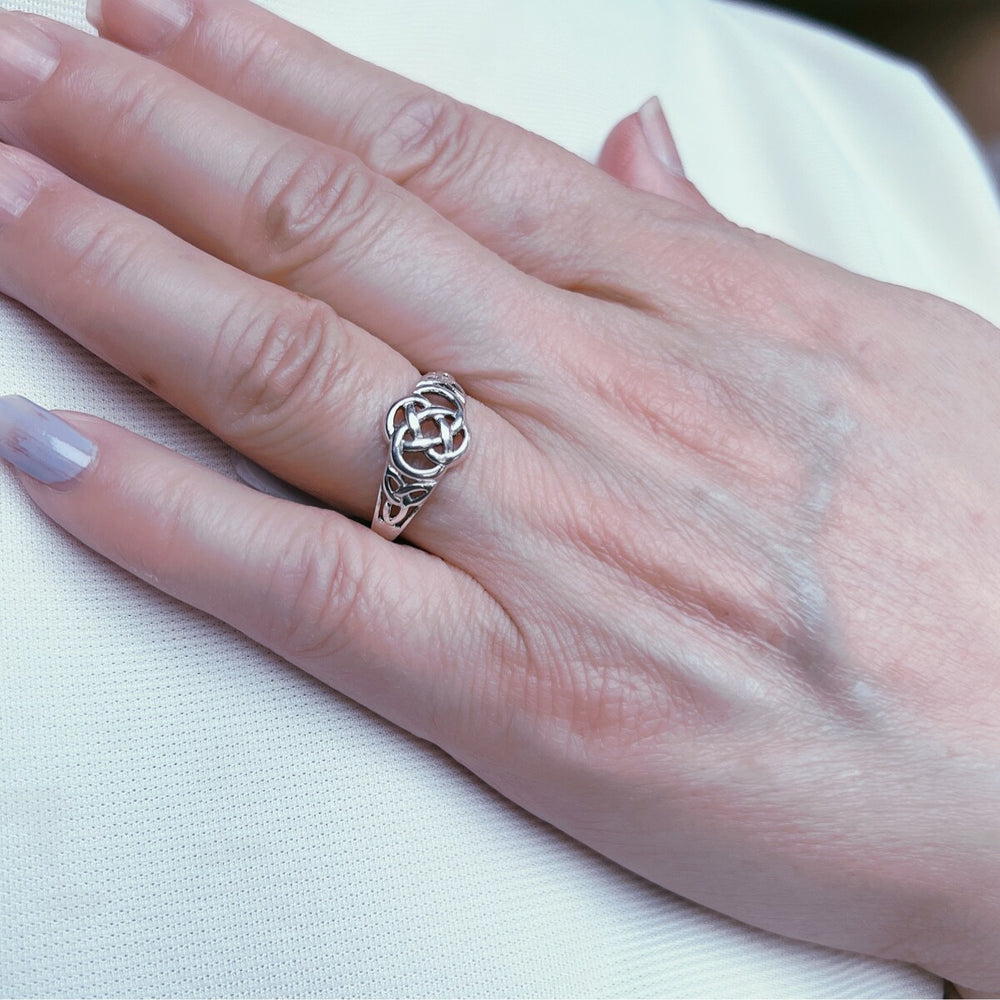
column 427, row 434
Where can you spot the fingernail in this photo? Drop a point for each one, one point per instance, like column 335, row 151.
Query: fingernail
column 28, row 56
column 17, row 187
column 94, row 14
column 41, row 444
column 656, row 131
column 147, row 26
column 266, row 482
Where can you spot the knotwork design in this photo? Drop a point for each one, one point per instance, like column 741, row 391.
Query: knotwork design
column 427, row 433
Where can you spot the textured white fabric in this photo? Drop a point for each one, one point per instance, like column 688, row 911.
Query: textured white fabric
column 183, row 815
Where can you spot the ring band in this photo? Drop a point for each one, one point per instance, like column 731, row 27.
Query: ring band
column 427, row 434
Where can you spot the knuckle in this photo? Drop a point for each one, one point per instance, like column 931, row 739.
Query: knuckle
column 427, row 142
column 133, row 113
column 320, row 204
column 321, row 592
column 102, row 248
column 255, row 53
column 279, row 368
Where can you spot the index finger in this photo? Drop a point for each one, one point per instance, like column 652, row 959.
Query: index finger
column 534, row 203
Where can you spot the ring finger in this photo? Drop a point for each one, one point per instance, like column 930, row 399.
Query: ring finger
column 281, row 377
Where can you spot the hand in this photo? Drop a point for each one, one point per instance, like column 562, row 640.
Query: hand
column 713, row 590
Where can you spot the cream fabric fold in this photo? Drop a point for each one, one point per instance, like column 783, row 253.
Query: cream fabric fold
column 183, row 815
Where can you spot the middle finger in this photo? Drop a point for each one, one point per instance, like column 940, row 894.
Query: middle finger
column 277, row 204
column 277, row 375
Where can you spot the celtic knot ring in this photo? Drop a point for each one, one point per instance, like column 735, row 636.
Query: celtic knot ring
column 427, row 433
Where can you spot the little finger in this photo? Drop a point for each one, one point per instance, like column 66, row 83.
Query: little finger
column 390, row 626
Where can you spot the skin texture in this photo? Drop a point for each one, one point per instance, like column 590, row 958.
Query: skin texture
column 715, row 590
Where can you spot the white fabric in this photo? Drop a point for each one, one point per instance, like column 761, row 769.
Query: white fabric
column 183, row 815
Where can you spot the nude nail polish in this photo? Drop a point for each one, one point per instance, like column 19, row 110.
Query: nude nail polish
column 656, row 132
column 18, row 186
column 147, row 26
column 28, row 56
column 41, row 444
column 94, row 14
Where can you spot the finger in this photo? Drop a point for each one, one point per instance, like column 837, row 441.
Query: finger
column 272, row 202
column 390, row 626
column 280, row 377
column 640, row 151
column 534, row 203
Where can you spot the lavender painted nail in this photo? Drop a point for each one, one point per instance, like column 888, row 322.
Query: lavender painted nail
column 266, row 482
column 41, row 444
